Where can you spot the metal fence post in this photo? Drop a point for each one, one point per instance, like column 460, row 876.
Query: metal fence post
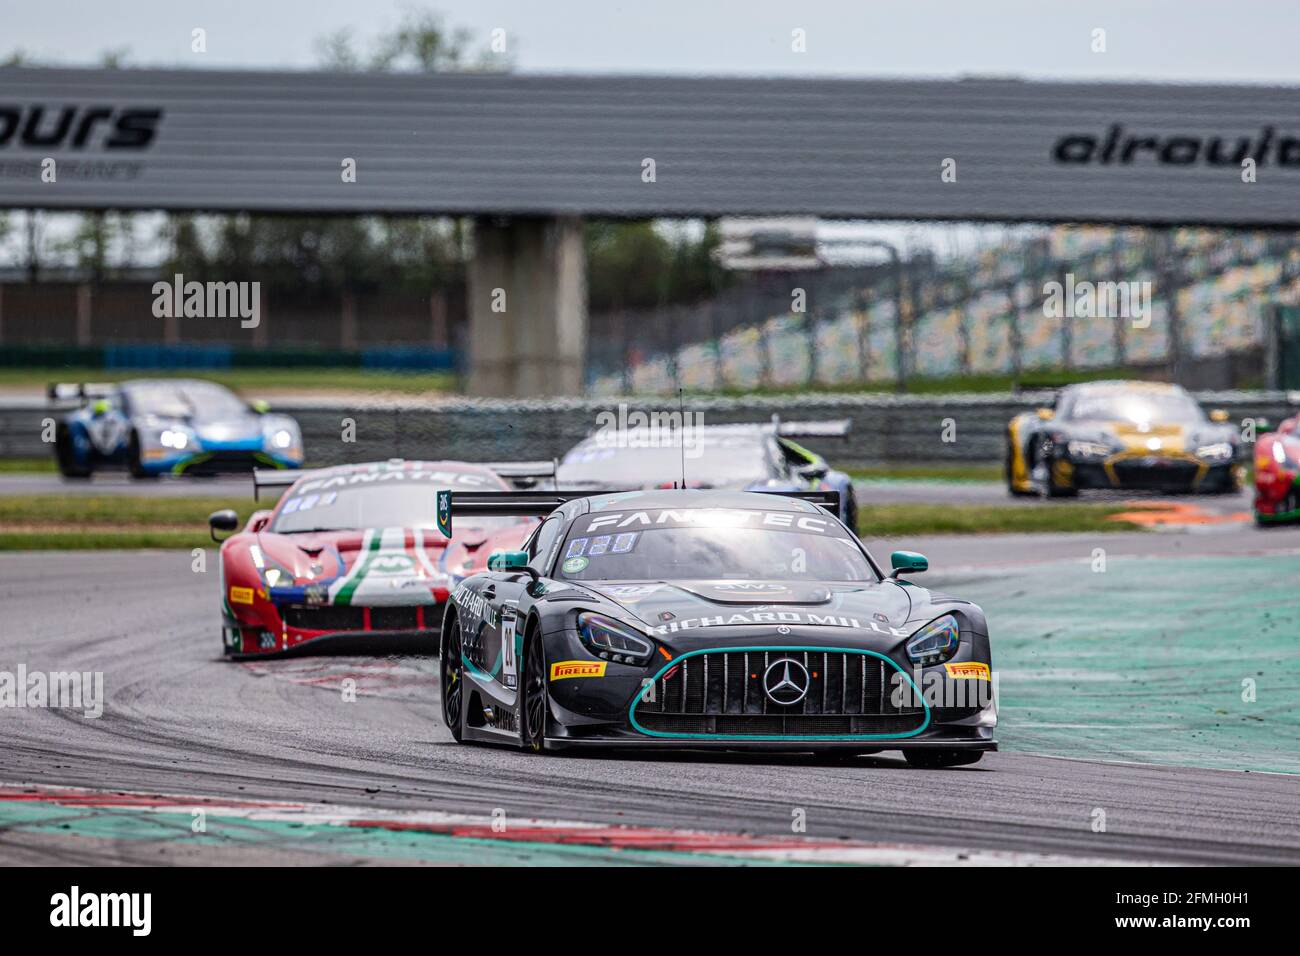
column 864, row 336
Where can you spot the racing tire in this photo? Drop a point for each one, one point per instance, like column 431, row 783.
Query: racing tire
column 133, row 458
column 68, row 465
column 1052, row 490
column 532, row 696
column 851, row 511
column 451, row 681
column 937, row 759
column 1007, row 471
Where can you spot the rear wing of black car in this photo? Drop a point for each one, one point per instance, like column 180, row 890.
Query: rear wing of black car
column 74, row 394
column 539, row 504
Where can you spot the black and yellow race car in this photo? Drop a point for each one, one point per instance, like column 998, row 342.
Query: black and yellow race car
column 1122, row 435
column 708, row 619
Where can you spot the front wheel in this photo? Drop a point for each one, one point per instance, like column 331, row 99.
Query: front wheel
column 135, row 460
column 1055, row 490
column 452, row 683
column 66, row 455
column 935, row 759
column 532, row 707
column 1008, row 471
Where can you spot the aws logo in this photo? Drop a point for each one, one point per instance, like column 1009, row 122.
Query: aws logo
column 77, row 127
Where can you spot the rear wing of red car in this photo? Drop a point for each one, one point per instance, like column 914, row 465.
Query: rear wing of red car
column 278, row 478
column 539, row 504
column 521, row 474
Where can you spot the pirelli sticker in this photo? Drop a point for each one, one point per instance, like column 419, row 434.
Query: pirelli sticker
column 562, row 669
column 241, row 595
column 968, row 670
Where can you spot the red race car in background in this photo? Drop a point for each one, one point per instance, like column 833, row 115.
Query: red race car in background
column 350, row 557
column 1277, row 474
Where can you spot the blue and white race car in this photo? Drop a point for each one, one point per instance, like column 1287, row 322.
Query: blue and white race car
column 169, row 426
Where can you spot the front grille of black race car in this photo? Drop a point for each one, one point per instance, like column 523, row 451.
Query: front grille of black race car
column 343, row 618
column 722, row 692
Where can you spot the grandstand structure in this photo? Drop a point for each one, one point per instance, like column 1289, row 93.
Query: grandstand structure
column 1214, row 294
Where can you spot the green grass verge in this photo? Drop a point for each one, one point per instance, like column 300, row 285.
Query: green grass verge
column 249, row 381
column 924, row 472
column 110, row 510
column 28, row 465
column 107, row 522
column 877, row 521
column 102, row 540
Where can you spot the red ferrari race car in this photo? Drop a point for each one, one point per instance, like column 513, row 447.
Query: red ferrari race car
column 350, row 558
column 1277, row 474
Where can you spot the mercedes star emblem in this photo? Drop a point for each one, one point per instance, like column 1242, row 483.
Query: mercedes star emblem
column 785, row 682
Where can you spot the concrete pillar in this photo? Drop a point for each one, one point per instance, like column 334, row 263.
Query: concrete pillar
column 534, row 272
column 439, row 336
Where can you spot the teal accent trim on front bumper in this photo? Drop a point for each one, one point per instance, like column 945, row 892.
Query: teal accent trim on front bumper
column 631, row 710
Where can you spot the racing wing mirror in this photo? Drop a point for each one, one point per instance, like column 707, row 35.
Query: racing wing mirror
column 512, row 561
column 815, row 471
column 224, row 520
column 907, row 562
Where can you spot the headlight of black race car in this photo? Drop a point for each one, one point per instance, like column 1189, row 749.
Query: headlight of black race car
column 612, row 641
column 1088, row 449
column 936, row 642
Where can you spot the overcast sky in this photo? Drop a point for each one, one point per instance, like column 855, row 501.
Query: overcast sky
column 1249, row 41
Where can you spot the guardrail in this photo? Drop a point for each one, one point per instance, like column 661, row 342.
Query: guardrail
column 883, row 428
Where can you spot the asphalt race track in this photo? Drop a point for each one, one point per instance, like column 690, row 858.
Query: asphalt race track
column 178, row 720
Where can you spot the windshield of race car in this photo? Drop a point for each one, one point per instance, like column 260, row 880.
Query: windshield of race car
column 708, row 459
column 391, row 499
column 657, row 545
column 197, row 401
column 1133, row 406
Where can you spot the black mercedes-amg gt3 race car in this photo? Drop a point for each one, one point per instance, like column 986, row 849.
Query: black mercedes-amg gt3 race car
column 708, row 619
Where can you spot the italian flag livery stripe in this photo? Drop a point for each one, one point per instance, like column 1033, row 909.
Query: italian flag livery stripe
column 342, row 591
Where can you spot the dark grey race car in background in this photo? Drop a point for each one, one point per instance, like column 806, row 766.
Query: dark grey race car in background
column 741, row 457
column 708, row 620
